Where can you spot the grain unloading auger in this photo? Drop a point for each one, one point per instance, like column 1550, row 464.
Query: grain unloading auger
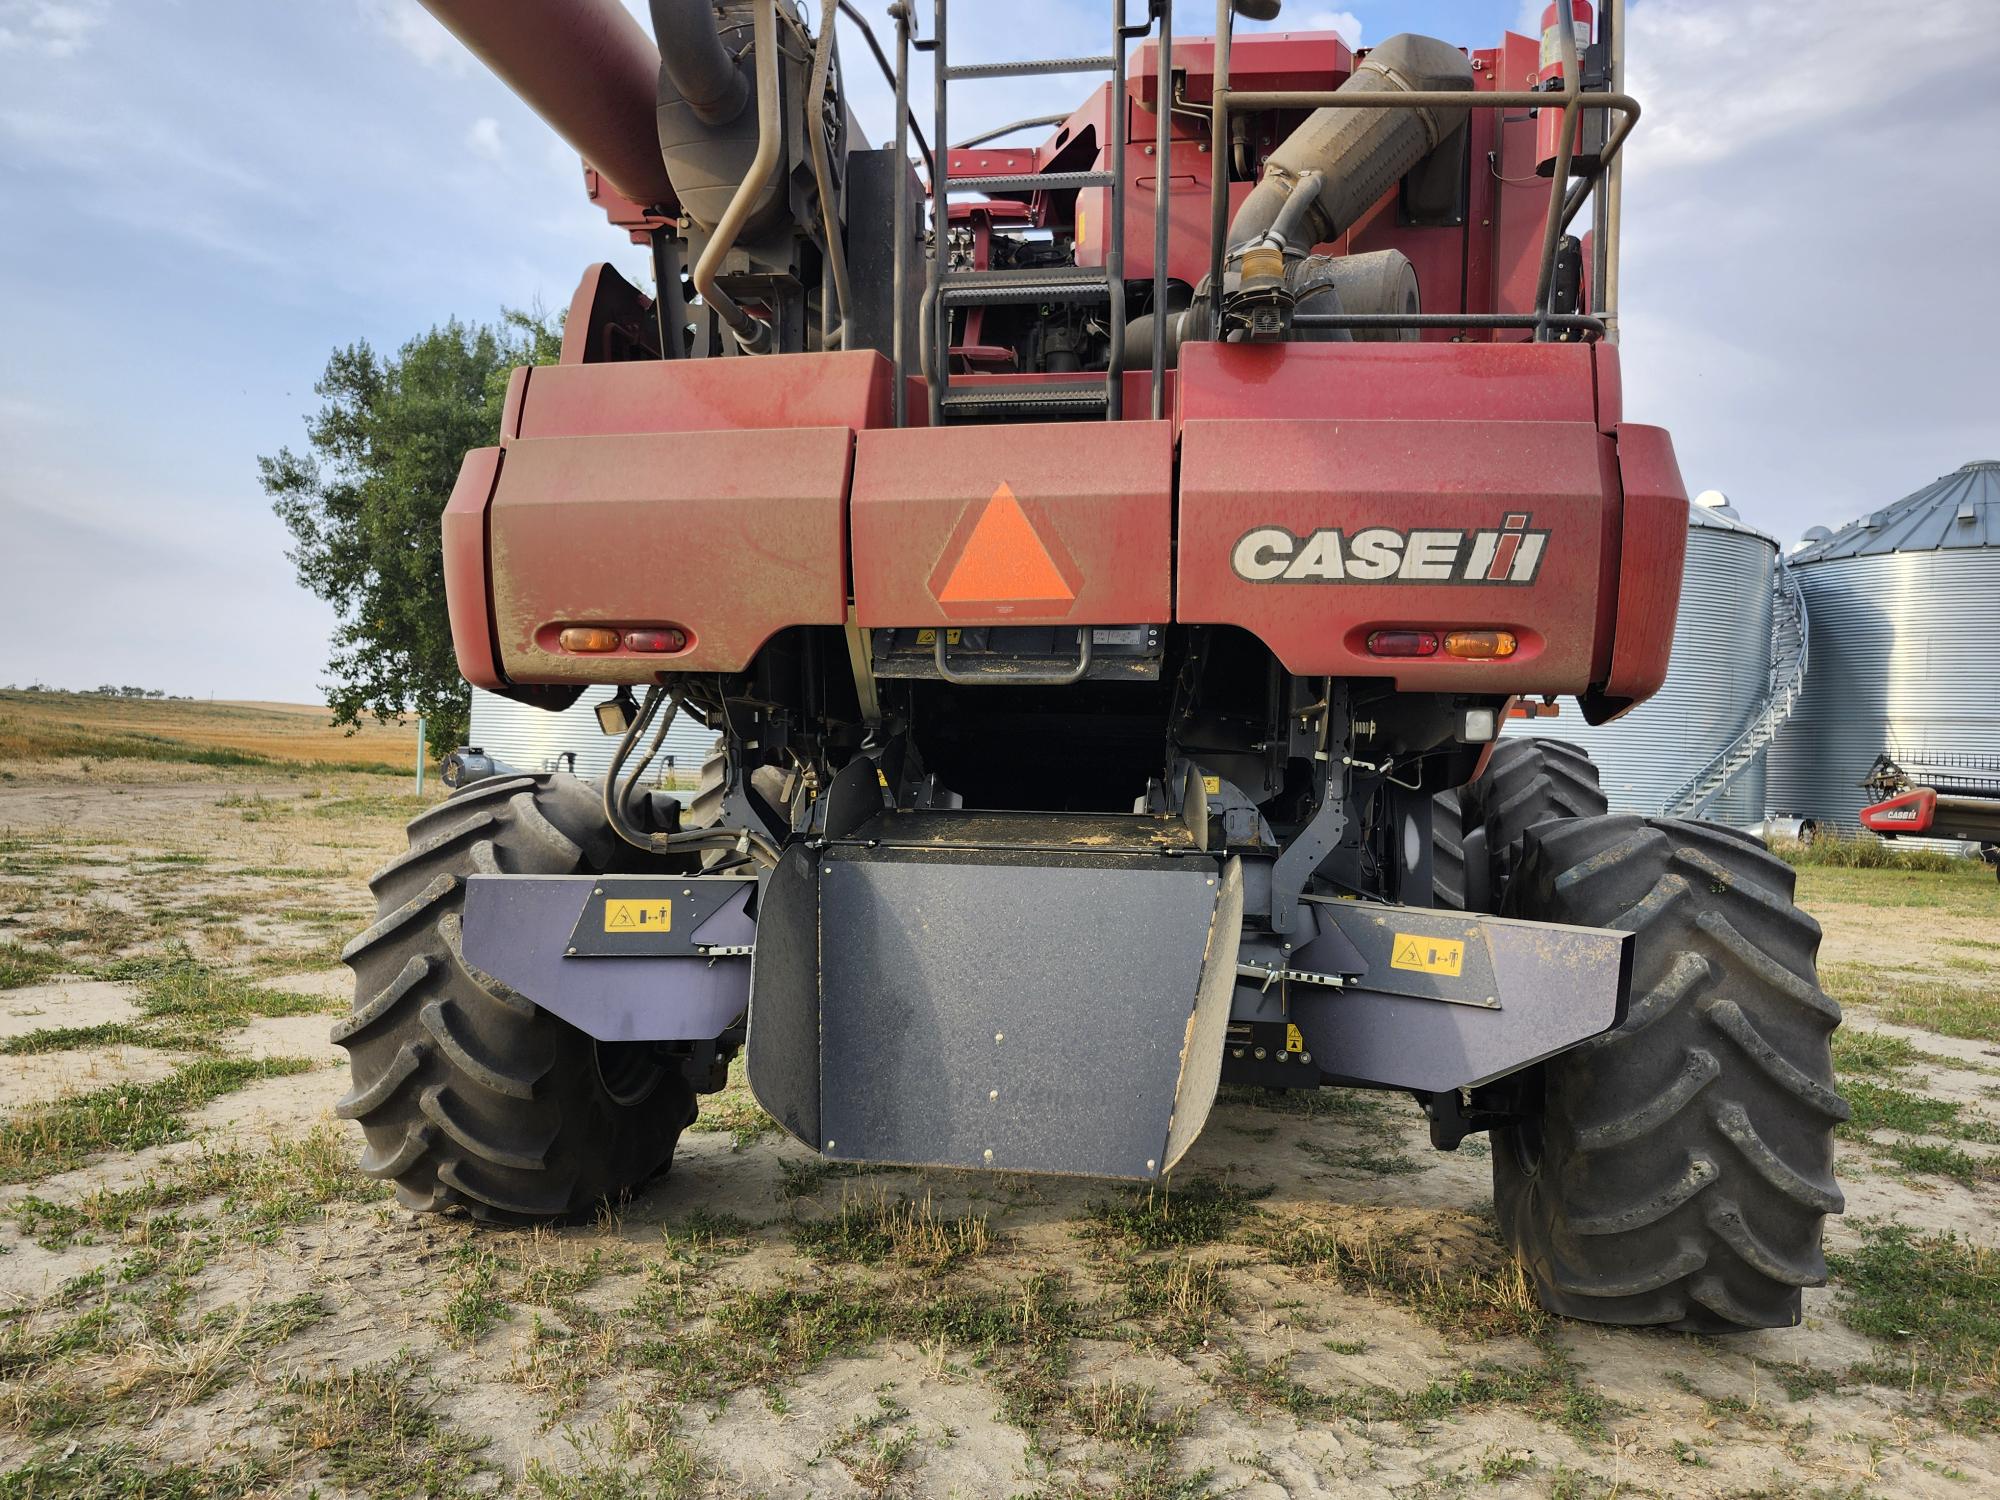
column 1106, row 638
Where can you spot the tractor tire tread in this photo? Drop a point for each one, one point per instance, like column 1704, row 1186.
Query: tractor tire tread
column 471, row 1096
column 1722, row 1066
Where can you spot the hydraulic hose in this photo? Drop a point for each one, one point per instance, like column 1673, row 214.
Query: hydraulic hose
column 836, row 249
column 751, row 332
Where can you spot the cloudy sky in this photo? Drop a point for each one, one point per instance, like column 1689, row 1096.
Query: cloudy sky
column 199, row 199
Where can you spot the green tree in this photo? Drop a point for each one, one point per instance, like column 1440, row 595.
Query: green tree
column 363, row 504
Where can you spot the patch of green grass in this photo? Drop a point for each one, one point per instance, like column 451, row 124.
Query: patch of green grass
column 1482, row 1296
column 1883, row 1106
column 1934, row 1298
column 1551, row 1389
column 1928, row 1159
column 1352, row 1104
column 118, row 1471
column 22, row 964
column 1875, row 1052
column 1251, row 1386
column 48, row 1138
column 737, row 1111
column 73, row 1038
column 1130, row 1415
column 1373, row 1160
column 260, row 1192
column 1836, row 851
column 384, row 805
column 669, row 1472
column 477, row 1307
column 1183, row 1297
column 907, row 1232
column 1195, row 1212
column 1931, row 1002
column 804, row 1178
column 375, row 1432
column 772, row 1337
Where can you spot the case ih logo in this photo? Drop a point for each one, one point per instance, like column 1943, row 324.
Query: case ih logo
column 1381, row 554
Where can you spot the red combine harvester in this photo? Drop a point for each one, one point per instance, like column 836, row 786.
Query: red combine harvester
column 1106, row 638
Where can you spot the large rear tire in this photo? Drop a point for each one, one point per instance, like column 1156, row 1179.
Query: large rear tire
column 470, row 1095
column 1681, row 1166
column 1477, row 829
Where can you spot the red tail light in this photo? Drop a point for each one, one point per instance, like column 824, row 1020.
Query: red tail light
column 667, row 640
column 1403, row 643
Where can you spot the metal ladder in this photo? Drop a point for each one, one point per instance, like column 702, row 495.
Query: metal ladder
column 1789, row 628
column 1076, row 284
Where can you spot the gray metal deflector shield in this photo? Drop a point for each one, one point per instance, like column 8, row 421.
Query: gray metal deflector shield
column 1017, row 1009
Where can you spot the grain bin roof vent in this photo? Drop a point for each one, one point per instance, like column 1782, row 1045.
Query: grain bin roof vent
column 1960, row 510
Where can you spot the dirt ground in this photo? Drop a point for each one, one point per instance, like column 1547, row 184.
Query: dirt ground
column 200, row 1296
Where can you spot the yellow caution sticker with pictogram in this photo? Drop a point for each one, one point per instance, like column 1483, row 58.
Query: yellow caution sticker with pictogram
column 1295, row 1040
column 1428, row 955
column 638, row 916
column 1212, row 785
column 929, row 637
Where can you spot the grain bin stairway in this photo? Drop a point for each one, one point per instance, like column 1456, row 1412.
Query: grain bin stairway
column 1789, row 629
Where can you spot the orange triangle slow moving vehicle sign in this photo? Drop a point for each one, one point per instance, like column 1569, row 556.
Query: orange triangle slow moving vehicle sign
column 1001, row 565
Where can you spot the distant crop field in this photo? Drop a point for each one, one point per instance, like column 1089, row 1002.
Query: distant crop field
column 58, row 726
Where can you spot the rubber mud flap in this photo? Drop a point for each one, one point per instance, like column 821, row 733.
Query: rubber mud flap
column 1028, row 1011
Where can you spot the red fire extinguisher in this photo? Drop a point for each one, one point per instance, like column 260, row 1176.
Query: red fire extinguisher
column 1548, row 123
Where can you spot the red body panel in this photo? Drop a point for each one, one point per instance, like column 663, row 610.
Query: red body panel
column 1388, row 382
column 467, row 597
column 729, row 536
column 1438, row 488
column 701, row 395
column 1652, row 548
column 1090, row 542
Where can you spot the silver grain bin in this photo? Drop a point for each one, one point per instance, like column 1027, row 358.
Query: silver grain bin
column 532, row 739
column 1718, row 679
column 1905, row 611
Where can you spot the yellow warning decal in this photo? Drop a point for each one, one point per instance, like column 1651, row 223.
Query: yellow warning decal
column 1295, row 1040
column 1428, row 955
column 1212, row 785
column 638, row 916
column 929, row 637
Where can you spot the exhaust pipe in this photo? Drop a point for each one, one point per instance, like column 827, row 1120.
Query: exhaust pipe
column 1346, row 159
column 697, row 63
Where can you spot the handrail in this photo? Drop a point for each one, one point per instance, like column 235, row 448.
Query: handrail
column 1786, row 682
column 1566, row 196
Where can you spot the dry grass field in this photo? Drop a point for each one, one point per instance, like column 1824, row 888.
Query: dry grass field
column 42, row 727
column 200, row 1296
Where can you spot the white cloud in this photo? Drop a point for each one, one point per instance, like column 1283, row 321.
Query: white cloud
column 483, row 139
column 49, row 27
column 1716, row 81
column 1343, row 21
column 417, row 32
